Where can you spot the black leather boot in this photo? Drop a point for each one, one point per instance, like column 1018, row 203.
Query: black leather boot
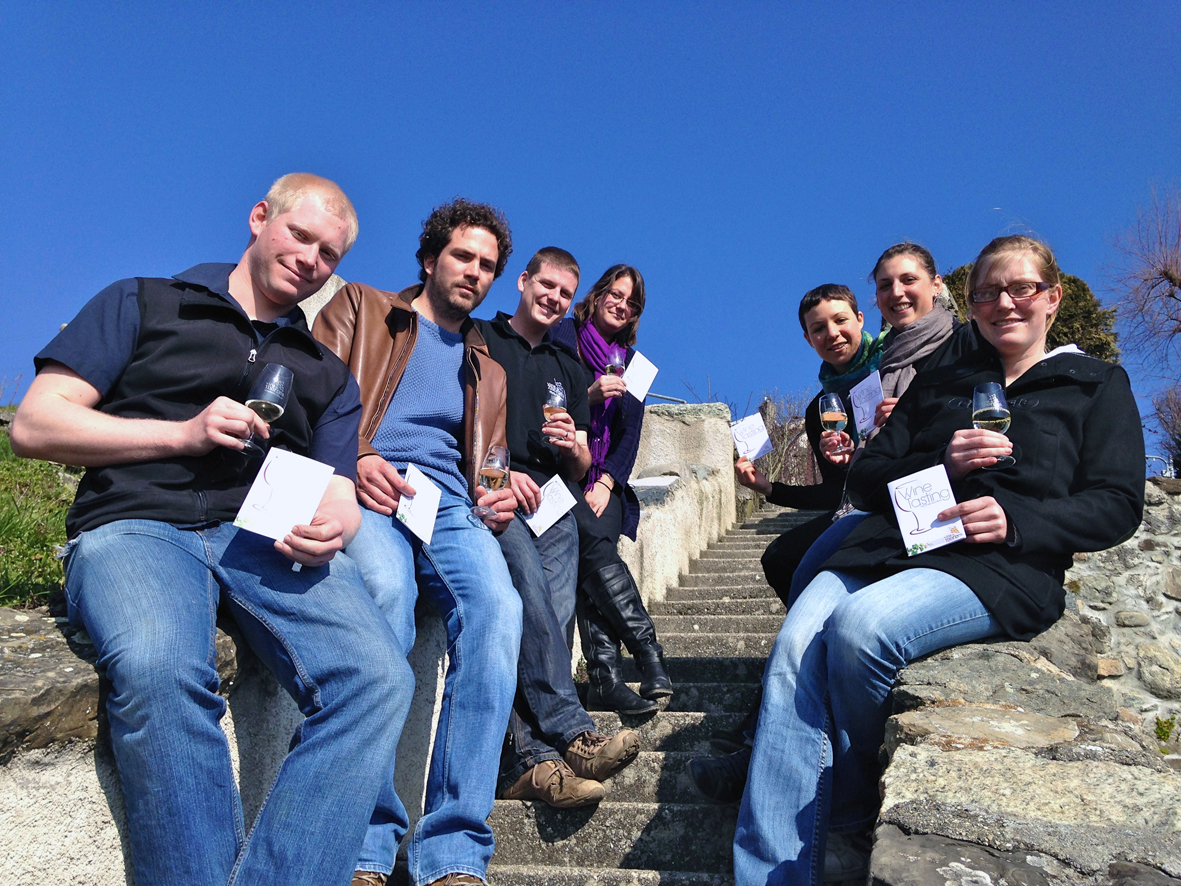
column 607, row 690
column 613, row 591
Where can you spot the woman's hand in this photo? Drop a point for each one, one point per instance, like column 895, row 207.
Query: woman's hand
column 598, row 497
column 604, row 388
column 885, row 407
column 983, row 518
column 837, row 447
column 972, row 449
column 751, row 477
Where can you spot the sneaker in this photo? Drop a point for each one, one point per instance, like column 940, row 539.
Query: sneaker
column 555, row 783
column 369, row 878
column 721, row 779
column 596, row 756
column 846, row 857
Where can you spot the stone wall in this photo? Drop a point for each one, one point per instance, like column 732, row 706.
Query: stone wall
column 1046, row 762
column 61, row 809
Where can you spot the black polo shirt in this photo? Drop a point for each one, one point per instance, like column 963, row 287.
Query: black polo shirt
column 529, row 371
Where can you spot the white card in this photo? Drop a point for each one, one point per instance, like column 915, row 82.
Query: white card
column 285, row 493
column 418, row 511
column 750, row 437
column 866, row 395
column 639, row 375
column 556, row 500
column 917, row 499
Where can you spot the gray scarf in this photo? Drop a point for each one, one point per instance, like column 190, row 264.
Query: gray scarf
column 906, row 347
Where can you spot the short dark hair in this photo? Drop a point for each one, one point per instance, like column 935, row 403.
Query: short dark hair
column 556, row 256
column 914, row 250
column 826, row 292
column 460, row 213
column 585, row 308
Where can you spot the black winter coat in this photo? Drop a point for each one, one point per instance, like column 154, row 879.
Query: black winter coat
column 1078, row 484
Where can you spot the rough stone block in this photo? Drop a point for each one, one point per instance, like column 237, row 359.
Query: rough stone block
column 1159, row 670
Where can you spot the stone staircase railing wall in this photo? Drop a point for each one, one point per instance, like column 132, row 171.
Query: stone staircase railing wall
column 61, row 810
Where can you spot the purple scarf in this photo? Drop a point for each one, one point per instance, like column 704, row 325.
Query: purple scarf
column 593, row 348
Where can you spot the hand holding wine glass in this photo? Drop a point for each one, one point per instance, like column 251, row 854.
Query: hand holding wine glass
column 268, row 398
column 833, row 419
column 493, row 476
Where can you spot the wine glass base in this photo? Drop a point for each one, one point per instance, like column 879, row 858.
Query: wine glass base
column 1005, row 461
column 482, row 512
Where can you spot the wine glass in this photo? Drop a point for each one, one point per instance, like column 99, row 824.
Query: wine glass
column 616, row 360
column 268, row 398
column 493, row 476
column 990, row 411
column 833, row 416
column 555, row 399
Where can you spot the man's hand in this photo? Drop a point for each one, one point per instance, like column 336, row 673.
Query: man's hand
column 972, row 449
column 526, row 492
column 598, row 497
column 224, row 422
column 884, row 408
column 836, row 446
column 751, row 477
column 502, row 501
column 332, row 528
column 379, row 485
column 560, row 431
column 984, row 520
column 604, row 388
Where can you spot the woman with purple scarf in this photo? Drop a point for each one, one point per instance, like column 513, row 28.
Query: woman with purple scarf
column 609, row 609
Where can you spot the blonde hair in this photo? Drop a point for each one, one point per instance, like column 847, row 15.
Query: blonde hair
column 1016, row 244
column 289, row 189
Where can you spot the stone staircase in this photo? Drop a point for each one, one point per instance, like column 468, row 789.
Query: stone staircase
column 717, row 628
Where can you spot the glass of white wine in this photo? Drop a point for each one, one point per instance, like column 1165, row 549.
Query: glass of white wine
column 616, row 360
column 268, row 398
column 833, row 416
column 990, row 412
column 555, row 399
column 493, row 476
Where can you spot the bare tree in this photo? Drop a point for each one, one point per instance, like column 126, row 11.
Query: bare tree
column 790, row 459
column 1168, row 418
column 1146, row 278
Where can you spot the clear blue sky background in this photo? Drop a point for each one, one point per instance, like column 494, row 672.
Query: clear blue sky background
column 737, row 153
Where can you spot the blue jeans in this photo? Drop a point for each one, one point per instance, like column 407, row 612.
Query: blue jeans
column 547, row 714
column 826, row 696
column 823, row 548
column 148, row 595
column 463, row 575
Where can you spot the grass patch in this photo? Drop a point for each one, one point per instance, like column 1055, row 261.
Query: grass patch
column 34, row 498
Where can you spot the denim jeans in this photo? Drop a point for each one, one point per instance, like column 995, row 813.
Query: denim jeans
column 463, row 575
column 823, row 548
column 826, row 695
column 148, row 594
column 547, row 714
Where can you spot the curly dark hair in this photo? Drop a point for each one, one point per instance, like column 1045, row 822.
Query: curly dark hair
column 461, row 213
column 585, row 309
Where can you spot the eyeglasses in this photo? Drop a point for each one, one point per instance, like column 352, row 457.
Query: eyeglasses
column 618, row 296
column 1017, row 291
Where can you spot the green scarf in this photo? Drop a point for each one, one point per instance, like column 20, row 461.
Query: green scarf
column 867, row 359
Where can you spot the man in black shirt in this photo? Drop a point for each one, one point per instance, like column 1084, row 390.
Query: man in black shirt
column 552, row 752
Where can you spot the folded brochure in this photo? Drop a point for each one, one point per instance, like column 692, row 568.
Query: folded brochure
column 918, row 498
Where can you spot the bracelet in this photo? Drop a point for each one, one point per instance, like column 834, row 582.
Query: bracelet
column 600, row 480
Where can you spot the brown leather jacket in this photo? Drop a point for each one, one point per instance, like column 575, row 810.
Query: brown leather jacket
column 374, row 332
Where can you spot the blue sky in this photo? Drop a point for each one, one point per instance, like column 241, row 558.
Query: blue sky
column 738, row 154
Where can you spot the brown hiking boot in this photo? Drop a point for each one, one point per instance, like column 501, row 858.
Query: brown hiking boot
column 458, row 879
column 596, row 756
column 553, row 782
column 368, row 878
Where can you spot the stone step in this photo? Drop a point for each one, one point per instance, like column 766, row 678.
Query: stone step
column 697, row 645
column 741, row 566
column 728, row 555
column 655, row 777
column 542, row 875
column 753, row 606
column 717, row 624
column 706, row 698
column 689, row 670
column 681, row 731
column 724, row 579
column 647, row 836
column 737, row 591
